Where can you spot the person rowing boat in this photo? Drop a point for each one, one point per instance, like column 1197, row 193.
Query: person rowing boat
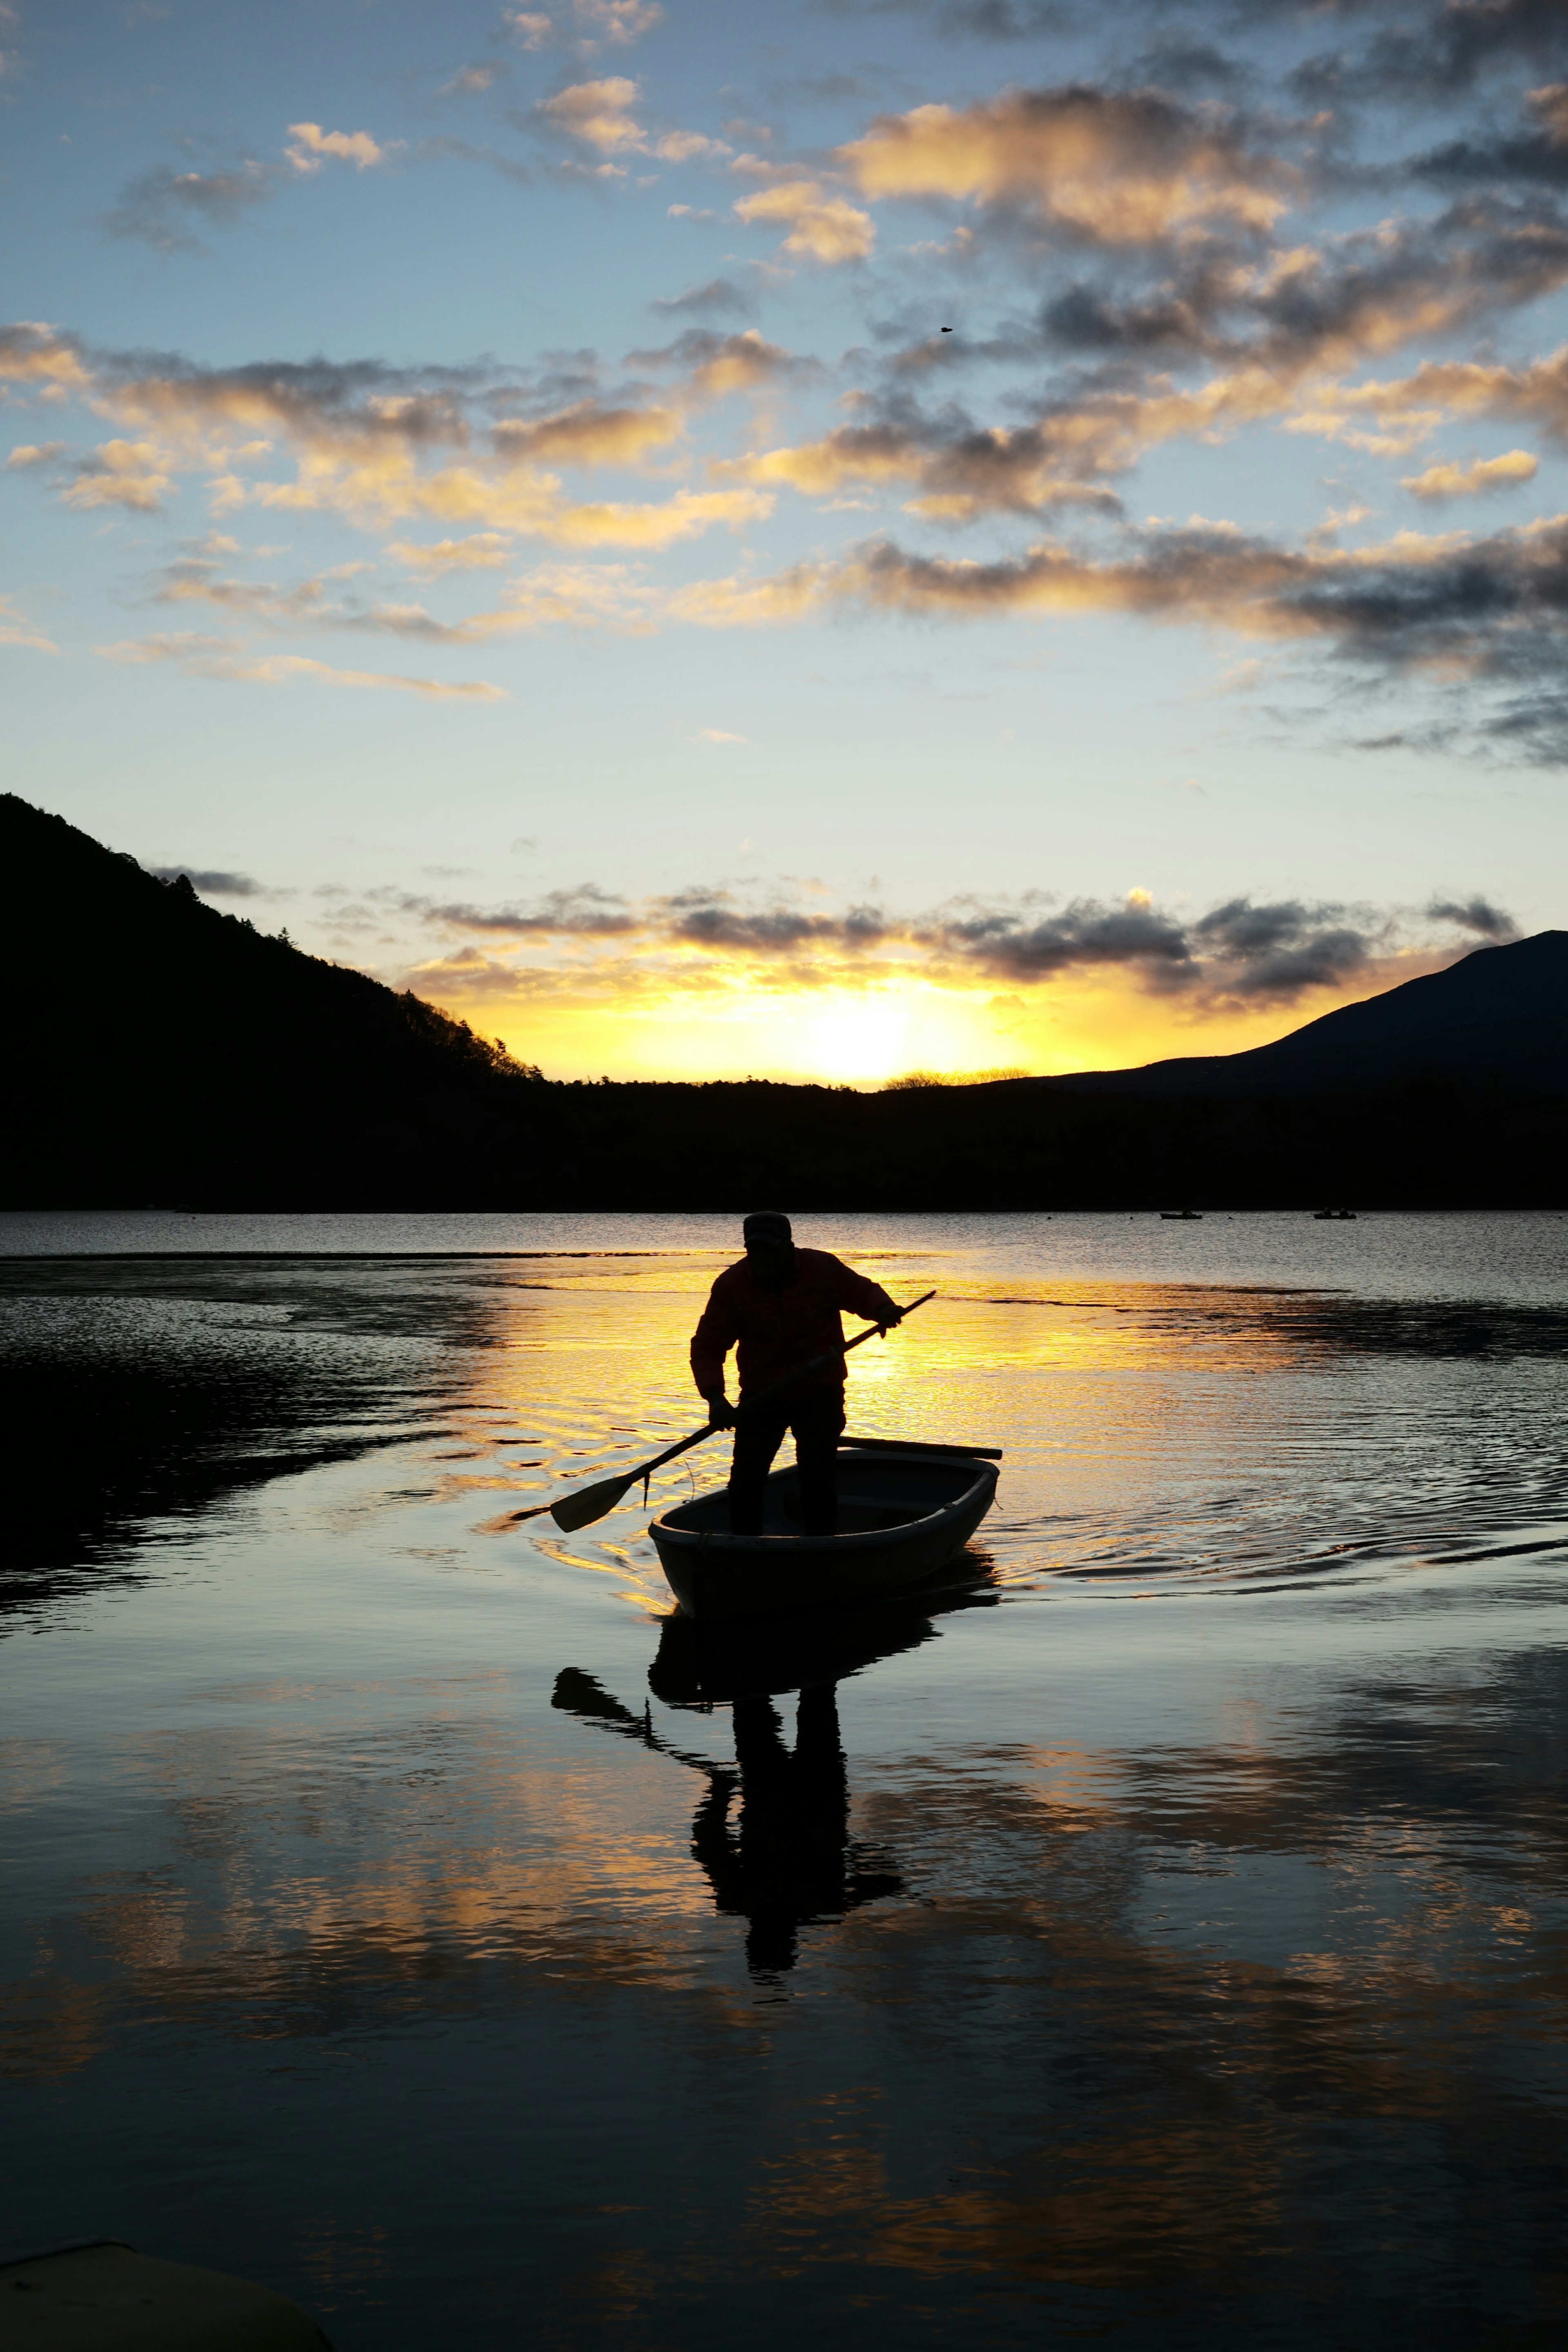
column 780, row 1306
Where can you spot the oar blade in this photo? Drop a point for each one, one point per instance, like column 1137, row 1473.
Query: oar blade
column 589, row 1503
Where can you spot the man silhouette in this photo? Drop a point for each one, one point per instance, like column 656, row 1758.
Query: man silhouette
column 779, row 1308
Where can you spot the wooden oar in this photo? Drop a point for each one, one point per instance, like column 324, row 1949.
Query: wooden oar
column 591, row 1503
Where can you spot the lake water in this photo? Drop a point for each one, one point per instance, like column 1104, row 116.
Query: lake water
column 1163, row 1942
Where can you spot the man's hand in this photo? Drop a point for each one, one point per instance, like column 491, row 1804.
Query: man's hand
column 721, row 1412
column 890, row 1322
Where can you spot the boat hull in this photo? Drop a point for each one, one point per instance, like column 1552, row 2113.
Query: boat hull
column 904, row 1517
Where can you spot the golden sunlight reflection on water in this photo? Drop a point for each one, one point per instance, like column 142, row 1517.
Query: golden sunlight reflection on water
column 406, row 1911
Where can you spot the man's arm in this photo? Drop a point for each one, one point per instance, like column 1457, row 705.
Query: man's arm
column 715, row 1334
column 860, row 1296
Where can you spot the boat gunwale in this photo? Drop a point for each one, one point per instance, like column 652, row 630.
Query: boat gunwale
column 664, row 1531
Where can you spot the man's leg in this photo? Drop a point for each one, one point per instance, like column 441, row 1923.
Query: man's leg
column 757, row 1439
column 816, row 1422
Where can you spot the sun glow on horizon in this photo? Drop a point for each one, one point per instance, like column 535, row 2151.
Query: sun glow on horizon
column 721, row 1024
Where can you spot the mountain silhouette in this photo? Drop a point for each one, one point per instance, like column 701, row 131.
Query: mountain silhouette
column 1500, row 1015
column 167, row 1050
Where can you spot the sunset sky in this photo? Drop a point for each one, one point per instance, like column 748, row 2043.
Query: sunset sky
column 490, row 490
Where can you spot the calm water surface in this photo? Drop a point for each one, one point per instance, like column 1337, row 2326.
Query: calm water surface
column 1163, row 1941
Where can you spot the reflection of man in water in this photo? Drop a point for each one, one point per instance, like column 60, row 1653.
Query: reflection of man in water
column 791, row 1860
column 779, row 1307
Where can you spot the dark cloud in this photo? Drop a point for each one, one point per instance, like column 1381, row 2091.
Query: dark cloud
column 1441, row 51
column 585, row 913
column 160, row 205
column 974, row 20
column 1538, row 155
column 719, row 294
column 1241, row 952
column 1484, row 620
column 212, row 885
column 1261, row 336
column 1477, row 915
column 729, row 360
column 1083, row 933
column 711, row 919
column 1190, row 66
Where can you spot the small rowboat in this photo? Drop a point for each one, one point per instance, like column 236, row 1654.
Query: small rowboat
column 904, row 1510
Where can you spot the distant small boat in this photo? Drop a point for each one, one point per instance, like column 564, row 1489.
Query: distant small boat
column 904, row 1510
column 1333, row 1216
column 1181, row 1217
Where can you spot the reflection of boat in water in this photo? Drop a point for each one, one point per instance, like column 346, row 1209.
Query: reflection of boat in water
column 904, row 1510
column 786, row 1857
column 1181, row 1217
column 702, row 1664
column 1333, row 1216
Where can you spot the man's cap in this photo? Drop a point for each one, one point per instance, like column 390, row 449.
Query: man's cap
column 766, row 1225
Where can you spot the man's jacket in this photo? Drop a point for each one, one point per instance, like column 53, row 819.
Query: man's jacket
column 776, row 1330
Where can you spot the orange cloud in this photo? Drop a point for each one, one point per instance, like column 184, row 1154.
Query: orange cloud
column 588, row 434
column 16, row 629
column 121, row 474
column 483, row 551
column 313, row 147
column 215, row 657
column 1123, row 168
column 598, row 112
column 33, row 352
column 1505, row 473
column 823, row 226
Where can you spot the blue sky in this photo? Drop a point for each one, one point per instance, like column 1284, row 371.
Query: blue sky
column 487, row 489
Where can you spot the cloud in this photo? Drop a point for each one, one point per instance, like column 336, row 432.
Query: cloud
column 381, row 446
column 1238, row 953
column 718, row 365
column 211, row 885
column 1477, row 915
column 587, row 434
column 686, row 147
column 586, row 911
column 158, row 205
column 217, row 657
column 481, row 550
column 471, row 81
column 123, row 474
column 532, row 29
column 1539, row 155
column 1460, row 611
column 823, row 226
column 1457, row 43
column 1118, row 168
column 716, row 735
column 617, row 21
column 599, row 112
column 16, row 629
column 312, row 147
column 33, row 352
column 36, row 453
column 718, row 294
column 619, row 524
column 960, row 470
column 1508, row 472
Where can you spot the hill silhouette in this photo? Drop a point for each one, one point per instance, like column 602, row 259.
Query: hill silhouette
column 166, row 1054
column 1500, row 1015
column 171, row 1052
